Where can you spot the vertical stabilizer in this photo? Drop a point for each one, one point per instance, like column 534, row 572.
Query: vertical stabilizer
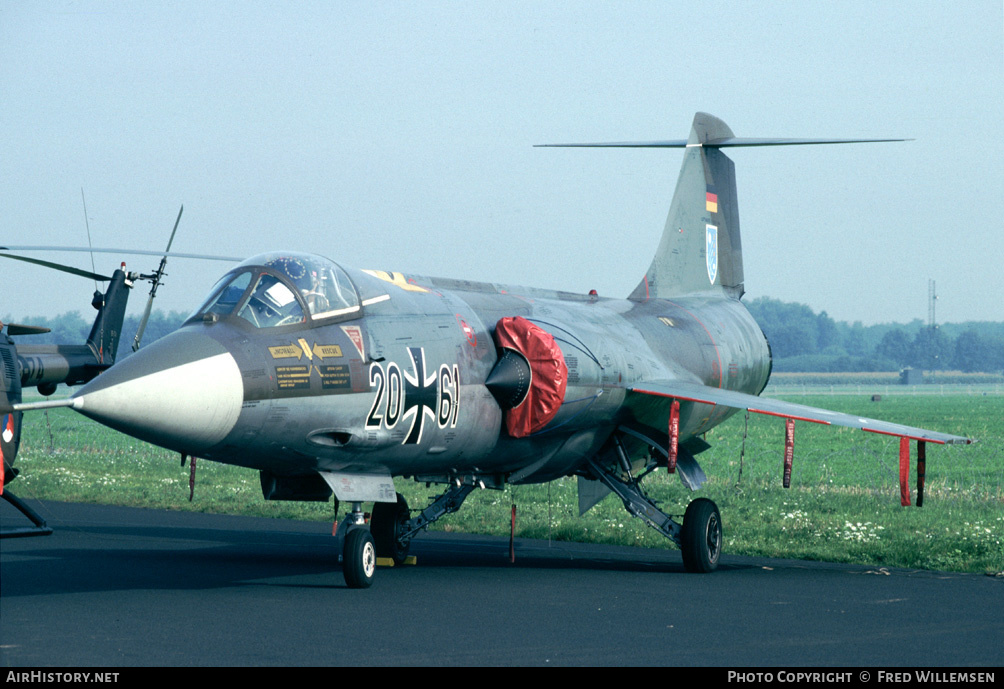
column 700, row 250
column 107, row 328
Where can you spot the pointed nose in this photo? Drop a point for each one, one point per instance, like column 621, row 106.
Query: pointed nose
column 183, row 392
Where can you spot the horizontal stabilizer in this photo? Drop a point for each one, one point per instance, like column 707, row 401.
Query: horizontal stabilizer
column 724, row 142
column 14, row 329
column 694, row 392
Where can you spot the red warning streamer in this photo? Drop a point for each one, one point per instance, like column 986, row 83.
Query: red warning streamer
column 789, row 450
column 921, row 470
column 191, row 479
column 512, row 535
column 674, row 434
column 904, row 472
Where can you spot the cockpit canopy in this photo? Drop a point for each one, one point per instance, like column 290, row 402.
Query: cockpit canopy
column 279, row 289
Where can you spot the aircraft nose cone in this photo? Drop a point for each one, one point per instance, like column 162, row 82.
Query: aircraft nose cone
column 183, row 392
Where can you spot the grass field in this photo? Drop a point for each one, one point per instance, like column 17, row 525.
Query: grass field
column 843, row 504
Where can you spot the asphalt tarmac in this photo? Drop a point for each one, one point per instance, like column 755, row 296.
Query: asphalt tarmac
column 120, row 587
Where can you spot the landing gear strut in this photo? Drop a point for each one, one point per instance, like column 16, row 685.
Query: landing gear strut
column 393, row 530
column 700, row 536
column 449, row 501
column 390, row 531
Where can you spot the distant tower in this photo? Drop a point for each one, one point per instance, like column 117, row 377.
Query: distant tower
column 932, row 327
column 932, row 297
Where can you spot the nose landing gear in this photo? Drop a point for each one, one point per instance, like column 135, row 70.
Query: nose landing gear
column 392, row 528
column 359, row 551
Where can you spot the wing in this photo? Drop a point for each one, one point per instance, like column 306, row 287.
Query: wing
column 695, row 392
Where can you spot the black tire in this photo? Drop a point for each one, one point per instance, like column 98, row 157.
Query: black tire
column 359, row 559
column 701, row 539
column 385, row 525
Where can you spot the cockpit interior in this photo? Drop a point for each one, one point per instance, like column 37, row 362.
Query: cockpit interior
column 280, row 289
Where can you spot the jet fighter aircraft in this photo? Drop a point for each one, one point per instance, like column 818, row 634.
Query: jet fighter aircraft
column 327, row 379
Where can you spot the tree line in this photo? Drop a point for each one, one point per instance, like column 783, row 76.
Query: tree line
column 803, row 341
column 73, row 328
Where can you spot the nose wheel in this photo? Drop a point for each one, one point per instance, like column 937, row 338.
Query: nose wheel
column 359, row 558
column 358, row 550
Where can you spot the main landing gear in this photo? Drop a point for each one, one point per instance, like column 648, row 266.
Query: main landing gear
column 700, row 536
column 391, row 530
column 701, row 540
column 387, row 527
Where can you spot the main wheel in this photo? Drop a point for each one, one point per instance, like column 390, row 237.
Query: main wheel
column 385, row 525
column 701, row 539
column 359, row 559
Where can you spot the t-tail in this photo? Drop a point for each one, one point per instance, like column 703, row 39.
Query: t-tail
column 701, row 249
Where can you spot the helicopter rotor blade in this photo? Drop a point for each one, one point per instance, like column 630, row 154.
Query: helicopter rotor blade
column 60, row 267
column 156, row 283
column 136, row 252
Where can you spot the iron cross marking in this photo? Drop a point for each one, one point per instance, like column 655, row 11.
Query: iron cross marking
column 420, row 395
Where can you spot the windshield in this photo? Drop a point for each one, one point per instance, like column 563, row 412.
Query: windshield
column 272, row 303
column 225, row 294
column 274, row 290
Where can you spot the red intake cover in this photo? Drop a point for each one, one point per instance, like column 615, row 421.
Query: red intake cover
column 548, row 375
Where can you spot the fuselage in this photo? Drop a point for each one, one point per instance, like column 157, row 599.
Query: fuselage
column 397, row 384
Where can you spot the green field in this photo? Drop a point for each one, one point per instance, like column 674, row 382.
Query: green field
column 843, row 504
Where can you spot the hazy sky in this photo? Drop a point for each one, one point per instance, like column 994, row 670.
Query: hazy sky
column 399, row 136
